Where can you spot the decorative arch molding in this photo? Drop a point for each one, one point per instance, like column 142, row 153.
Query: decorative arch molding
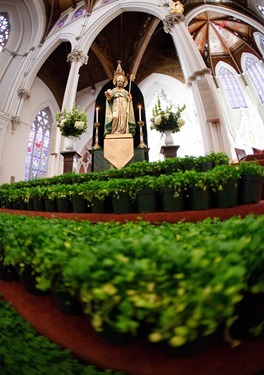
column 257, row 35
column 223, row 64
column 45, row 51
column 29, row 19
column 244, row 57
column 157, row 81
column 219, row 9
column 97, row 20
column 27, row 24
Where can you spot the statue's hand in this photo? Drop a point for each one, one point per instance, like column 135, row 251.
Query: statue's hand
column 108, row 94
column 129, row 97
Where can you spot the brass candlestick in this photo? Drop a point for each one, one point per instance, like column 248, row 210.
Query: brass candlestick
column 96, row 145
column 141, row 143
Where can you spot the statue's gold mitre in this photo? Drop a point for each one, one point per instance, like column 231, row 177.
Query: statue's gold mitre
column 119, row 72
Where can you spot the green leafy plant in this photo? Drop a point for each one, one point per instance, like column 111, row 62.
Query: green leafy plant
column 23, row 351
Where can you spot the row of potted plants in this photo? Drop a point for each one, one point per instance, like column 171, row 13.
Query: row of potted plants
column 171, row 283
column 223, row 186
column 137, row 169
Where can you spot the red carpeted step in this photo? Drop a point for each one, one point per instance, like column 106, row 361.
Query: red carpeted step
column 138, row 358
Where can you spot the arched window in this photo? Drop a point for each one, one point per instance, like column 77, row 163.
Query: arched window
column 4, row 29
column 256, row 74
column 261, row 38
column 232, row 89
column 62, row 22
column 79, row 12
column 38, row 145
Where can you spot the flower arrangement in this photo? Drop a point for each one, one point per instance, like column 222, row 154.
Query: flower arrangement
column 167, row 120
column 72, row 123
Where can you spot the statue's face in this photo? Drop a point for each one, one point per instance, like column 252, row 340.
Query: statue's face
column 120, row 81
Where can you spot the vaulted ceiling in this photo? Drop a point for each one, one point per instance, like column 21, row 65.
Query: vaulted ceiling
column 139, row 41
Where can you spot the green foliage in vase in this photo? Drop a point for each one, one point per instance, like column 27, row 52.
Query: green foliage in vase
column 167, row 119
column 72, row 123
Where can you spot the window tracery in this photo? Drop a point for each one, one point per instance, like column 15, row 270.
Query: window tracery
column 256, row 74
column 38, row 146
column 4, row 29
column 232, row 89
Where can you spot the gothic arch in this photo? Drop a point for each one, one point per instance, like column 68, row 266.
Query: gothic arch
column 29, row 20
column 257, row 36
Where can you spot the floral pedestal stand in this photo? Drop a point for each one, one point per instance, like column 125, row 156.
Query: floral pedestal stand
column 70, row 162
column 169, row 150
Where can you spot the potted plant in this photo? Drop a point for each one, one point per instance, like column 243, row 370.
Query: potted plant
column 219, row 158
column 224, row 184
column 146, row 194
column 122, row 192
column 204, row 163
column 197, row 186
column 172, row 191
column 251, row 182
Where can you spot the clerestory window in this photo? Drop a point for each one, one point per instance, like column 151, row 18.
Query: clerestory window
column 232, row 88
column 256, row 74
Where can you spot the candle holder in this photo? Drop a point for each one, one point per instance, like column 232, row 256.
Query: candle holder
column 96, row 145
column 141, row 143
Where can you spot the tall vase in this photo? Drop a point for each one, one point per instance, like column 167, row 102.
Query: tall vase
column 169, row 141
column 70, row 143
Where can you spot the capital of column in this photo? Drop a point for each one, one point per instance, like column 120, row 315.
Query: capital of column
column 23, row 93
column 77, row 56
column 171, row 20
column 197, row 74
column 15, row 120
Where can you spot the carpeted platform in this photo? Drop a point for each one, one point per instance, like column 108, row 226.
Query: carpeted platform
column 157, row 217
column 138, row 358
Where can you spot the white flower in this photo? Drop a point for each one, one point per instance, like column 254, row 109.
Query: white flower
column 167, row 115
column 79, row 125
column 157, row 120
column 62, row 122
column 181, row 121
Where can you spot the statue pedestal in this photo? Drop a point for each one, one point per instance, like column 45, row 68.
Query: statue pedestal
column 70, row 162
column 99, row 163
column 169, row 151
column 118, row 149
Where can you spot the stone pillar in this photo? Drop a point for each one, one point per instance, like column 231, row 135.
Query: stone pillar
column 77, row 58
column 198, row 79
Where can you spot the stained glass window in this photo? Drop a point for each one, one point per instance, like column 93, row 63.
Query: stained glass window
column 4, row 29
column 261, row 9
column 62, row 21
column 79, row 12
column 38, row 146
column 256, row 73
column 232, row 89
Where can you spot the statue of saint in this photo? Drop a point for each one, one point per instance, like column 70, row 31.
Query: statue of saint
column 119, row 112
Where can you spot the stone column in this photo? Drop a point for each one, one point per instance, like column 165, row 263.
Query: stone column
column 198, row 79
column 77, row 58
